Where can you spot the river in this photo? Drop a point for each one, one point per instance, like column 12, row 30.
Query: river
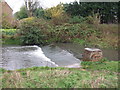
column 57, row 55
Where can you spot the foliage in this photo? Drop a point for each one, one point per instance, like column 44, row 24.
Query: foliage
column 73, row 31
column 57, row 14
column 94, row 19
column 76, row 19
column 11, row 41
column 54, row 11
column 39, row 13
column 108, row 11
column 80, row 41
column 22, row 13
column 9, row 33
column 33, row 31
column 10, row 37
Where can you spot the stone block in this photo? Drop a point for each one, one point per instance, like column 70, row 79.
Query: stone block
column 92, row 54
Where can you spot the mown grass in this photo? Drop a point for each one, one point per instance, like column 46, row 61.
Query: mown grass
column 93, row 76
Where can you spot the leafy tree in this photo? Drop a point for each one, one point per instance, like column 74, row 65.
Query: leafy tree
column 55, row 11
column 39, row 12
column 108, row 11
column 22, row 13
column 57, row 14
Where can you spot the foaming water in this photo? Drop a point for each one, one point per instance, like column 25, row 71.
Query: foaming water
column 18, row 57
column 40, row 54
column 24, row 57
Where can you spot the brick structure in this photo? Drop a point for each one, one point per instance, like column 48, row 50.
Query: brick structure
column 92, row 54
column 6, row 12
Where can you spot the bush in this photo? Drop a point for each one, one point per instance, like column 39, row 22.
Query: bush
column 94, row 19
column 33, row 31
column 9, row 33
column 60, row 20
column 76, row 19
column 72, row 32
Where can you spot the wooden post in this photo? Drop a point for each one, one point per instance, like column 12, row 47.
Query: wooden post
column 92, row 54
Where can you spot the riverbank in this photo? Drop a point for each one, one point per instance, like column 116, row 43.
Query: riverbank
column 94, row 75
column 100, row 36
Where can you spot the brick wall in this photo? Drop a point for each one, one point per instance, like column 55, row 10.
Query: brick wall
column 6, row 12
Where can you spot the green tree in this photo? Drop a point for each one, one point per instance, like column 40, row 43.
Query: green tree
column 108, row 11
column 39, row 13
column 22, row 13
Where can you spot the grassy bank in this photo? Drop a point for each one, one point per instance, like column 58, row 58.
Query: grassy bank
column 100, row 75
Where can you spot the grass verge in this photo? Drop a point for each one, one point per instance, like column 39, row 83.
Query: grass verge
column 95, row 75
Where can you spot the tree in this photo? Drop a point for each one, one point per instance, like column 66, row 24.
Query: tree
column 31, row 6
column 108, row 11
column 22, row 13
column 39, row 13
column 57, row 14
column 56, row 11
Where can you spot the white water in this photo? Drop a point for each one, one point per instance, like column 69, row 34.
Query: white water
column 24, row 57
column 39, row 53
column 18, row 57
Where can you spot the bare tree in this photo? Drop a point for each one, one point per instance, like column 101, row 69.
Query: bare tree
column 31, row 6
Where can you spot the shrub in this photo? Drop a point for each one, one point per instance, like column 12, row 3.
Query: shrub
column 33, row 31
column 94, row 19
column 11, row 33
column 76, row 19
column 60, row 20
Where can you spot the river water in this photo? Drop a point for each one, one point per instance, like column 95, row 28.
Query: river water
column 77, row 50
column 17, row 57
column 57, row 55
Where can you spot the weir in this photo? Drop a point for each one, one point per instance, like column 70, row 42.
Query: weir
column 17, row 57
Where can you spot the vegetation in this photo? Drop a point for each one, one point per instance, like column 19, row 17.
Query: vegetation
column 91, row 75
column 22, row 13
column 74, row 23
column 10, row 37
column 108, row 11
column 34, row 31
column 104, row 65
column 40, row 32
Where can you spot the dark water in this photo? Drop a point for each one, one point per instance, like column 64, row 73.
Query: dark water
column 77, row 51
